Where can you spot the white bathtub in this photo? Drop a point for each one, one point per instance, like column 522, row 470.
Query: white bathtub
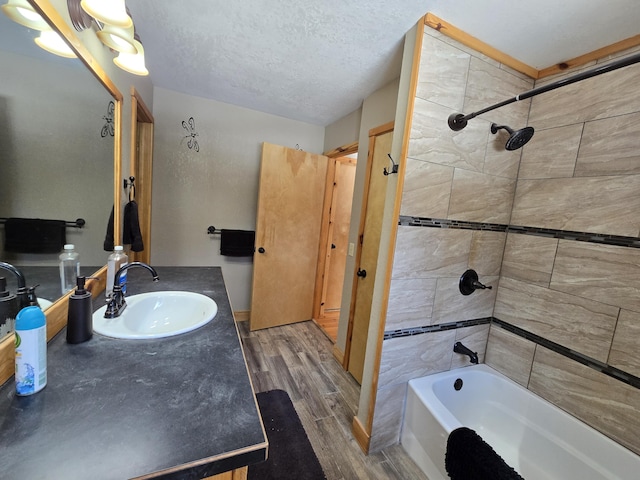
column 533, row 436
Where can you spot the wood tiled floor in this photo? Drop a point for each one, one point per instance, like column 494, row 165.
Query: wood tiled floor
column 297, row 358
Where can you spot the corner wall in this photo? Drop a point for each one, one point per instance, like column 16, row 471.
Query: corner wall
column 565, row 319
column 457, row 185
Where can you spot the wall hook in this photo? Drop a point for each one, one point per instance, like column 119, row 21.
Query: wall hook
column 394, row 168
column 469, row 283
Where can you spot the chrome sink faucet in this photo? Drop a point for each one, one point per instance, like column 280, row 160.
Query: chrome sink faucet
column 117, row 304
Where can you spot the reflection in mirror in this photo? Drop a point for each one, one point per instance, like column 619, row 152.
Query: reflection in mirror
column 56, row 154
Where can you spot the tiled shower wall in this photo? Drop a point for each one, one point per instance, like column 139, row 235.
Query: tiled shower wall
column 579, row 294
column 463, row 198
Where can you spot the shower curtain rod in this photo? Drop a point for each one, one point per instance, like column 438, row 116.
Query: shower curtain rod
column 457, row 121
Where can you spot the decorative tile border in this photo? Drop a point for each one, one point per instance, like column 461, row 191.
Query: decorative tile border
column 556, row 347
column 409, row 332
column 617, row 240
column 573, row 355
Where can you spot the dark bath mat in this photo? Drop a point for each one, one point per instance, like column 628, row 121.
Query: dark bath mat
column 291, row 455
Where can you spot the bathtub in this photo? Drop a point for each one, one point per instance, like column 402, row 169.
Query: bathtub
column 533, row 436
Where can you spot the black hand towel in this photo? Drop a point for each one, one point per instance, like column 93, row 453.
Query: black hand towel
column 469, row 457
column 34, row 235
column 131, row 234
column 108, row 239
column 237, row 243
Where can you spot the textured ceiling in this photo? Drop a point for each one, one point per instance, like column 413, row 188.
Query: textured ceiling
column 315, row 61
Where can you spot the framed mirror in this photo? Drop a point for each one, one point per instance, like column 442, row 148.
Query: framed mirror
column 60, row 149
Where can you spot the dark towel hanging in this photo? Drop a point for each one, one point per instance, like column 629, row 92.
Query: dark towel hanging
column 34, row 235
column 108, row 239
column 131, row 234
column 469, row 457
column 237, row 243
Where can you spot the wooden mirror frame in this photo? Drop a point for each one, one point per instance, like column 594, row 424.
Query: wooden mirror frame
column 57, row 313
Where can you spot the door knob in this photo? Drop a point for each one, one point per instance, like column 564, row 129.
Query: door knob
column 361, row 273
column 261, row 250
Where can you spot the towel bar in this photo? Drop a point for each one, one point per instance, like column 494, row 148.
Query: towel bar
column 79, row 222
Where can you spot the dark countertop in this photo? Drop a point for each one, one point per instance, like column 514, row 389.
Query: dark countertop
column 181, row 406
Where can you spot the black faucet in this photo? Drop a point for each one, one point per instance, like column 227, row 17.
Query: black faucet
column 458, row 347
column 22, row 293
column 117, row 304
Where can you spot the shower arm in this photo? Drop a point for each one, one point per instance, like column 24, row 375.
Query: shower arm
column 457, row 121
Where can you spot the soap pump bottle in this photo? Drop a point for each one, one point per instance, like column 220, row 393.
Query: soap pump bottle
column 8, row 309
column 79, row 319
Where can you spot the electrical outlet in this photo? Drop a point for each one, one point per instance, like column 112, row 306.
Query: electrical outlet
column 352, row 248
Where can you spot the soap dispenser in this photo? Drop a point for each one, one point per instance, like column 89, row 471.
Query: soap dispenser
column 8, row 309
column 79, row 320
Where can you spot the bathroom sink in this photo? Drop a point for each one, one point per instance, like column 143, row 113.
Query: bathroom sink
column 157, row 315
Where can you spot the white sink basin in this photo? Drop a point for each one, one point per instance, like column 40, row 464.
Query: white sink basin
column 157, row 315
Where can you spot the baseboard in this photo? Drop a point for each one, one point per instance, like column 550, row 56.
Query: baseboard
column 361, row 435
column 338, row 354
column 242, row 315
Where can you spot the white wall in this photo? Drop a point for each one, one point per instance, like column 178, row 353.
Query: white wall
column 218, row 185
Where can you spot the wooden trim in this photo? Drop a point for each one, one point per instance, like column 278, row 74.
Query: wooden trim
column 590, row 57
column 238, row 474
column 141, row 167
column 406, row 136
column 242, row 315
column 361, row 435
column 325, row 230
column 451, row 31
column 53, row 18
column 381, row 129
column 342, row 151
column 338, row 354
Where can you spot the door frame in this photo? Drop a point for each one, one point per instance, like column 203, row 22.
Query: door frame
column 141, row 169
column 325, row 230
column 373, row 133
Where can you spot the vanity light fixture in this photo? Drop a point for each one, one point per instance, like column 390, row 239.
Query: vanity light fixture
column 133, row 62
column 52, row 42
column 112, row 12
column 21, row 11
column 118, row 38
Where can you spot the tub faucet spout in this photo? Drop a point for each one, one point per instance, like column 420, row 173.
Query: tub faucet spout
column 458, row 347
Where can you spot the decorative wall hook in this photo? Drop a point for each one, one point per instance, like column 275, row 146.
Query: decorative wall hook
column 132, row 187
column 469, row 283
column 394, row 168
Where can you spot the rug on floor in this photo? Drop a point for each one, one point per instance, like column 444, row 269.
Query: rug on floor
column 291, row 455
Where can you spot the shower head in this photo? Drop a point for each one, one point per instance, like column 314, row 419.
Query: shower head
column 517, row 139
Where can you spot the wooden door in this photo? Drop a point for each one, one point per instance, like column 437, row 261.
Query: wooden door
column 290, row 201
column 332, row 256
column 379, row 147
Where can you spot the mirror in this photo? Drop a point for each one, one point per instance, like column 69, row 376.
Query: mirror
column 58, row 144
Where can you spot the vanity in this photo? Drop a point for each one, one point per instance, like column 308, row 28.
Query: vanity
column 180, row 407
